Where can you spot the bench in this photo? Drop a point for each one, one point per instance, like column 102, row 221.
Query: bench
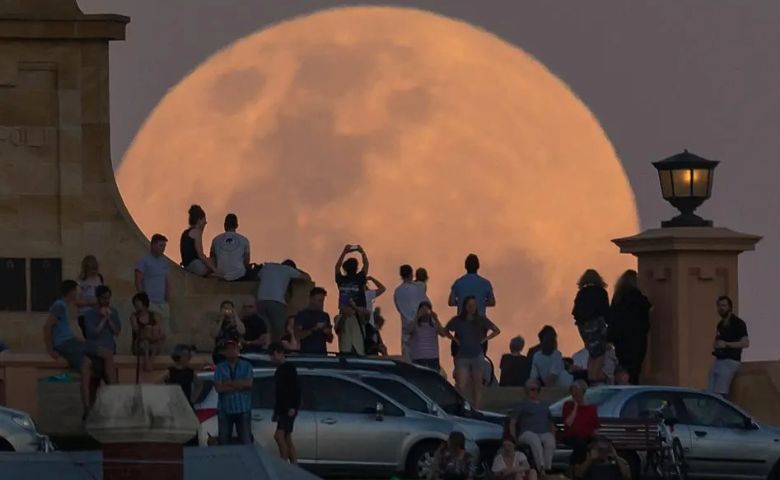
column 626, row 434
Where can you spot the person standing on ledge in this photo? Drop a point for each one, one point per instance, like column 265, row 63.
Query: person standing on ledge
column 731, row 337
column 191, row 244
column 287, row 404
column 352, row 283
column 472, row 285
column 151, row 277
column 312, row 324
column 230, row 251
column 233, row 382
column 275, row 280
column 591, row 307
column 407, row 298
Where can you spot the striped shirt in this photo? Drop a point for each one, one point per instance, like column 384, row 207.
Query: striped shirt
column 234, row 402
column 424, row 342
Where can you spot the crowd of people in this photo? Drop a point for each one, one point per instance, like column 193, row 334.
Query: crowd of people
column 614, row 334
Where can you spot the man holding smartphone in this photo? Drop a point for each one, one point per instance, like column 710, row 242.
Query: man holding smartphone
column 312, row 324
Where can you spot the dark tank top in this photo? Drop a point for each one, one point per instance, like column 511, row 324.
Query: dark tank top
column 182, row 377
column 187, row 246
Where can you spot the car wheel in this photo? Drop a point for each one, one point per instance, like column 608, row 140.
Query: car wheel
column 420, row 460
column 5, row 446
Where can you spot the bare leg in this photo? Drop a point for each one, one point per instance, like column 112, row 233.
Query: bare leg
column 291, row 452
column 461, row 381
column 108, row 365
column 530, row 475
column 86, row 378
column 282, row 444
column 476, row 387
column 596, row 369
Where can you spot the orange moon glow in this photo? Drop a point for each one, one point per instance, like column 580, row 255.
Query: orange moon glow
column 420, row 137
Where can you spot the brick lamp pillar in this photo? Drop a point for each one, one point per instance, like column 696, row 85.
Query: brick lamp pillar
column 142, row 429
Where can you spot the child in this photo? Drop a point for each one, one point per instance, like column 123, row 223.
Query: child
column 182, row 374
column 147, row 331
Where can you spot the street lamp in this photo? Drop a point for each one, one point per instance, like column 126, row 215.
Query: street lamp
column 686, row 182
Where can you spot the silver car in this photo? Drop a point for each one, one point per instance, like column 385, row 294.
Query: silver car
column 720, row 440
column 486, row 434
column 18, row 433
column 344, row 426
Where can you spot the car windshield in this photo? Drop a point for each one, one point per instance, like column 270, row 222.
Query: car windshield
column 435, row 387
column 594, row 396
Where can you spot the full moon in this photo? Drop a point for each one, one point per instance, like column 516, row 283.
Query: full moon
column 420, row 137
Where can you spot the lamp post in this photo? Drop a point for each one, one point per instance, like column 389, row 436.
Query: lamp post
column 686, row 182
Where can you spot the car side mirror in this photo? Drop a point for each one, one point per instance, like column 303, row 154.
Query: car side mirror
column 434, row 410
column 380, row 412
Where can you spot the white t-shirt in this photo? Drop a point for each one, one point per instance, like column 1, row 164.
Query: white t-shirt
column 581, row 358
column 543, row 366
column 274, row 280
column 408, row 296
column 230, row 249
column 500, row 465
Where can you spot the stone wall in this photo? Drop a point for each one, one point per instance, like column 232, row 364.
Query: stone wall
column 58, row 196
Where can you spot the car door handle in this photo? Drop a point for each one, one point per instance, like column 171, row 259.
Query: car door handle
column 700, row 433
column 329, row 421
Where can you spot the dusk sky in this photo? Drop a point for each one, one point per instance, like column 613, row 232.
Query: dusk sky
column 659, row 76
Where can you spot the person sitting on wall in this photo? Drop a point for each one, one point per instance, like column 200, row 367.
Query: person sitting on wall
column 230, row 252
column 191, row 246
column 515, row 367
column 101, row 326
column 148, row 337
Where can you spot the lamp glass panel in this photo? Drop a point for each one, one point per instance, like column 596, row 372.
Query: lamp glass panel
column 701, row 182
column 681, row 181
column 666, row 183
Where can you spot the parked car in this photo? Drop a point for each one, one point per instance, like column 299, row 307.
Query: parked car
column 430, row 382
column 486, row 434
column 18, row 433
column 719, row 439
column 344, row 426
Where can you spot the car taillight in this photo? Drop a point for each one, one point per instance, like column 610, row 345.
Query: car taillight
column 205, row 414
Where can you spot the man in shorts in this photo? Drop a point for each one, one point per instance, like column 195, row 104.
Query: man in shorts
column 288, row 402
column 62, row 343
column 731, row 337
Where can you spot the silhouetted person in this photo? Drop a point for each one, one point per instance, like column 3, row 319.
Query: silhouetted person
column 407, row 298
column 312, row 324
column 351, row 282
column 151, row 277
column 515, row 367
column 191, row 245
column 545, row 330
column 230, row 251
column 629, row 324
column 472, row 285
column 591, row 307
column 275, row 280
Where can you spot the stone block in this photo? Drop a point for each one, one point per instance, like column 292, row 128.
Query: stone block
column 19, row 106
column 70, row 107
column 41, row 215
column 94, row 94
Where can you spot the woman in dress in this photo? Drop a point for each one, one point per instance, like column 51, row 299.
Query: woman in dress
column 452, row 461
column 424, row 335
column 629, row 324
column 191, row 245
column 148, row 337
column 591, row 307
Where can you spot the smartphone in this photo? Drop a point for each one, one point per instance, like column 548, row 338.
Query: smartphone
column 353, row 248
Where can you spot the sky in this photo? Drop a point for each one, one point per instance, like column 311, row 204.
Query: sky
column 659, row 76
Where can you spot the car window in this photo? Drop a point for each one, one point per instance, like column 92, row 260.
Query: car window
column 398, row 392
column 648, row 404
column 594, row 396
column 708, row 411
column 435, row 387
column 341, row 396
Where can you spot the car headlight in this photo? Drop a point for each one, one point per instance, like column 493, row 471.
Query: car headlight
column 24, row 422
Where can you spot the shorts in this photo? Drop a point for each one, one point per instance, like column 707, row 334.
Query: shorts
column 285, row 423
column 73, row 351
column 470, row 364
column 721, row 375
column 275, row 315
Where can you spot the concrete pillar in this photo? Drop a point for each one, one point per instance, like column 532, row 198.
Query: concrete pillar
column 683, row 271
column 142, row 429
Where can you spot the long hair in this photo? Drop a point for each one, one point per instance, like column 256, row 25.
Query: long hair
column 591, row 277
column 85, row 263
column 195, row 214
column 626, row 283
